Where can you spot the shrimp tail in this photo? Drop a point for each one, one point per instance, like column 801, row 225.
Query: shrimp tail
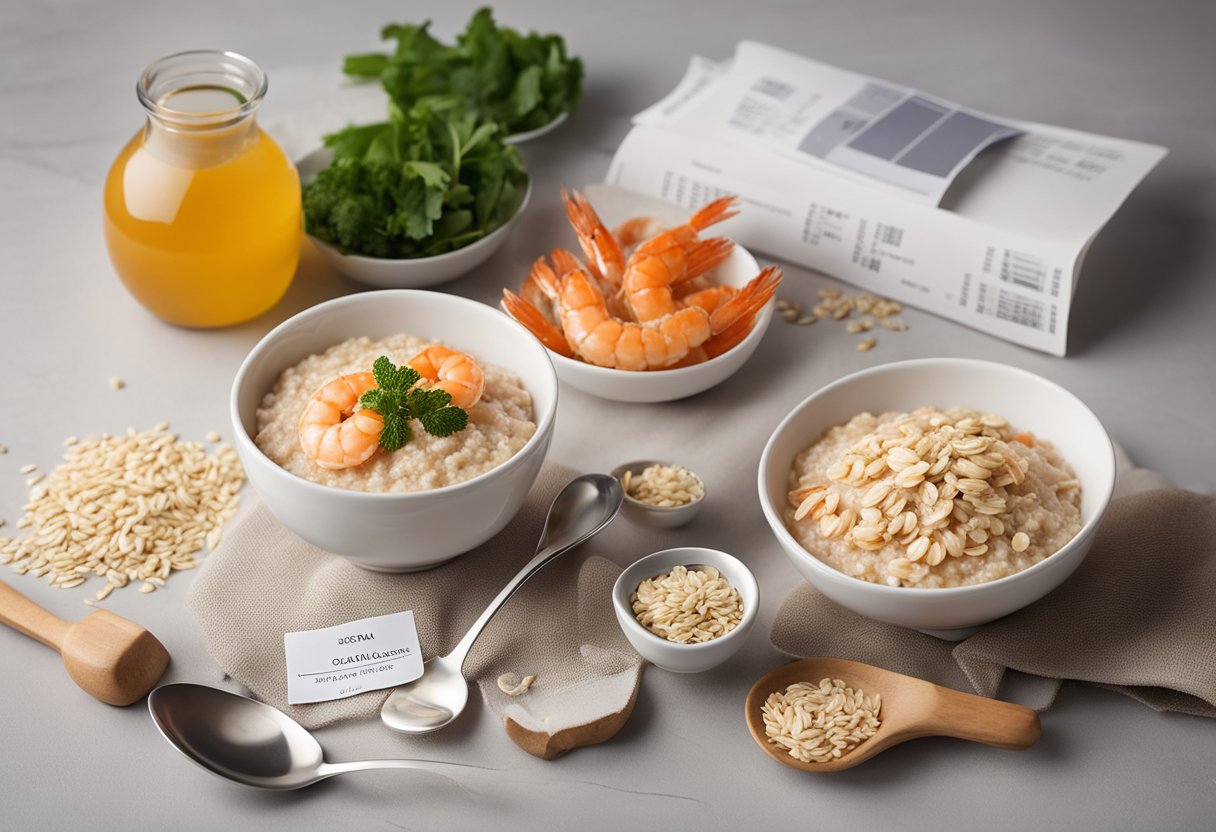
column 564, row 262
column 719, row 210
column 543, row 277
column 706, row 255
column 545, row 330
column 731, row 321
column 604, row 258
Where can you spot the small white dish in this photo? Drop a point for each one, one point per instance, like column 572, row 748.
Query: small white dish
column 1028, row 401
column 413, row 272
column 615, row 205
column 669, row 655
column 659, row 517
column 537, row 132
column 396, row 532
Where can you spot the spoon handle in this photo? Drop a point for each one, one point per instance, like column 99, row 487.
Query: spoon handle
column 436, row 766
column 990, row 721
column 461, row 651
column 24, row 616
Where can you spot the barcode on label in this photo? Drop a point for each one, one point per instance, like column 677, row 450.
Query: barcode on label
column 871, row 263
column 889, row 235
column 773, row 88
column 1023, row 270
column 1020, row 310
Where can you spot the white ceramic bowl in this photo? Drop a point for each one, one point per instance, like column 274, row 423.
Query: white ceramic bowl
column 396, row 532
column 410, row 273
column 668, row 385
column 659, row 517
column 685, row 658
column 1028, row 401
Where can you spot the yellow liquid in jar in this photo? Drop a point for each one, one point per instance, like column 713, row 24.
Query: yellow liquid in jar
column 204, row 230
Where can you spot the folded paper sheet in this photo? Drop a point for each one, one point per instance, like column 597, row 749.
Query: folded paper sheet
column 976, row 218
column 264, row 581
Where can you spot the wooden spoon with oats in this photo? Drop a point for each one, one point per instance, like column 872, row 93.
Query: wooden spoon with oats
column 860, row 710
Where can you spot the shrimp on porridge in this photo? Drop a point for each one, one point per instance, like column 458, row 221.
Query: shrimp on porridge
column 335, row 432
column 451, row 371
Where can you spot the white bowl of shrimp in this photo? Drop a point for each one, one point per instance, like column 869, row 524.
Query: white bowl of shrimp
column 608, row 337
column 319, row 462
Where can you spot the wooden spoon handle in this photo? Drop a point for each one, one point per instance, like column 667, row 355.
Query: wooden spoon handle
column 989, row 721
column 24, row 616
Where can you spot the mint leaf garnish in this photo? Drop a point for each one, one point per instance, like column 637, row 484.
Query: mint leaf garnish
column 398, row 400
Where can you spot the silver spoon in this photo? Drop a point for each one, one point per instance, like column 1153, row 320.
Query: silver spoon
column 252, row 743
column 427, row 704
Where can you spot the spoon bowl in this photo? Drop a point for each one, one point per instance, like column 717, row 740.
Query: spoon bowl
column 911, row 708
column 584, row 507
column 251, row 743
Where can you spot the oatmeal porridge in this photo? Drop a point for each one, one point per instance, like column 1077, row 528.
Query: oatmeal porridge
column 931, row 498
column 500, row 423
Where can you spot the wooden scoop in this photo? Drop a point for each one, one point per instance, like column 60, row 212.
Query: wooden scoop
column 911, row 708
column 111, row 658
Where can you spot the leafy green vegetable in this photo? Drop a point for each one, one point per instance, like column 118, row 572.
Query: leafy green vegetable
column 520, row 81
column 431, row 179
column 398, row 400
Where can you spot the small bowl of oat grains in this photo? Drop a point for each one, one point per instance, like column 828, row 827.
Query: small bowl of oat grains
column 660, row 494
column 687, row 609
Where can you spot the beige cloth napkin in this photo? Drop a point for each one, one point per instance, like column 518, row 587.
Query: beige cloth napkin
column 1138, row 616
column 263, row 581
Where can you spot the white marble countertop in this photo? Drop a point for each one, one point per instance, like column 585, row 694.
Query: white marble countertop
column 1141, row 353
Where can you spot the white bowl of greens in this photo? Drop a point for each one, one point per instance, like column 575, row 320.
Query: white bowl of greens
column 415, row 201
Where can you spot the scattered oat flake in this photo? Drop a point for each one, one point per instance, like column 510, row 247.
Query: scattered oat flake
column 34, row 480
column 3, row 448
column 28, row 469
column 70, row 441
column 866, row 345
column 117, row 383
column 105, row 591
column 806, row 319
column 212, row 436
column 146, row 587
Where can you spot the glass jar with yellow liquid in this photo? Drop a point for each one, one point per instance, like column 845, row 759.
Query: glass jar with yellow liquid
column 202, row 209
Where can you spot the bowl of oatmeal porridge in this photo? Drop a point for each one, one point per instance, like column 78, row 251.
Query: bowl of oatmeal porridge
column 937, row 494
column 435, row 497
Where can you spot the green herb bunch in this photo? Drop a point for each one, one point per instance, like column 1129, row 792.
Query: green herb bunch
column 433, row 178
column 398, row 401
column 519, row 81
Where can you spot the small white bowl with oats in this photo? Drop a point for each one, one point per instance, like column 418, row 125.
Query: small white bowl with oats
column 735, row 597
column 958, row 590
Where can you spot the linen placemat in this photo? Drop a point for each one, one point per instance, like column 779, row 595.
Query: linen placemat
column 1138, row 616
column 263, row 581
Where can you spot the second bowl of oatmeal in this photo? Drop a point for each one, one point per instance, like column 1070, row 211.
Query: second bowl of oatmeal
column 937, row 494
column 438, row 496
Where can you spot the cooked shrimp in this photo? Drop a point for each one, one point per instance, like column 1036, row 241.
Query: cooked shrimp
column 605, row 261
column 334, row 431
column 599, row 338
column 709, row 299
column 652, row 276
column 454, row 372
column 549, row 333
column 683, row 236
column 636, row 230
